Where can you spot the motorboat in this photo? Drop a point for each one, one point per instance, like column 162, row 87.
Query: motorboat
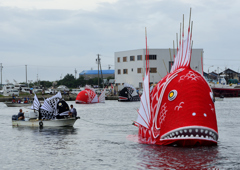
column 68, row 122
column 62, row 88
column 10, row 104
column 53, row 112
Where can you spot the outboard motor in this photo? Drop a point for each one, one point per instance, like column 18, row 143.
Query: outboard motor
column 14, row 117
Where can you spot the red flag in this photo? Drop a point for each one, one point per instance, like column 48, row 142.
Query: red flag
column 111, row 86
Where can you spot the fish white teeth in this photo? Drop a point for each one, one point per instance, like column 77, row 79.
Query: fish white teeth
column 201, row 130
column 206, row 131
column 170, row 135
column 178, row 136
column 191, row 136
column 173, row 133
column 186, row 136
column 197, row 136
column 210, row 133
column 176, row 133
column 202, row 136
column 180, row 131
column 206, row 137
column 185, row 130
column 182, row 136
column 196, row 130
column 190, row 130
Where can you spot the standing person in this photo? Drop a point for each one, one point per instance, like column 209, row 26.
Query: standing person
column 72, row 111
column 20, row 115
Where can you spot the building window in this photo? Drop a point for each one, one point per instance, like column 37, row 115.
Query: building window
column 124, row 59
column 170, row 65
column 119, row 71
column 125, row 71
column 132, row 69
column 152, row 57
column 139, row 57
column 132, row 58
column 139, row 70
column 118, row 59
column 140, row 84
column 153, row 70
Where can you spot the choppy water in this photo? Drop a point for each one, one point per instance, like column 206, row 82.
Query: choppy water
column 105, row 139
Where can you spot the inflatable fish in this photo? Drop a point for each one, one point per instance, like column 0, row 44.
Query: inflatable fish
column 180, row 109
column 88, row 96
column 128, row 94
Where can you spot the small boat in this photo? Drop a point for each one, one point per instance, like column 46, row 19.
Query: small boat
column 128, row 94
column 52, row 113
column 48, row 123
column 10, row 104
column 218, row 99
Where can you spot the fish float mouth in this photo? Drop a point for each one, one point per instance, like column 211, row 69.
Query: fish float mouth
column 191, row 132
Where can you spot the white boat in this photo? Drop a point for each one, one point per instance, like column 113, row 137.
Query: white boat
column 63, row 88
column 10, row 104
column 53, row 112
column 218, row 98
column 45, row 123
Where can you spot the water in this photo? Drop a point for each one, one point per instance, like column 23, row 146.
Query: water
column 105, row 139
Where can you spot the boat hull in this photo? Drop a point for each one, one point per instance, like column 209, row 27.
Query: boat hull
column 48, row 123
column 9, row 104
column 226, row 92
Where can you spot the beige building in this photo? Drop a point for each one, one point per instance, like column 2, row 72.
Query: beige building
column 130, row 65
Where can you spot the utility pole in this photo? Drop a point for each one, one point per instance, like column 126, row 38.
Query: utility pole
column 26, row 74
column 98, row 60
column 75, row 73
column 1, row 74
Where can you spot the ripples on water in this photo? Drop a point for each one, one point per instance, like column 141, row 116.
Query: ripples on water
column 105, row 139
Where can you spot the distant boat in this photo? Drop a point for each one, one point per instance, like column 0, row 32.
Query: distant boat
column 10, row 104
column 226, row 90
column 128, row 94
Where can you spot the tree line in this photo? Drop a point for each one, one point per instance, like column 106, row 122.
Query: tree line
column 70, row 82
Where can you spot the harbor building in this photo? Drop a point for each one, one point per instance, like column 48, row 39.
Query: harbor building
column 130, row 65
column 89, row 74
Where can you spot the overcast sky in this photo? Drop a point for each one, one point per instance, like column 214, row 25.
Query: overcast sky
column 55, row 37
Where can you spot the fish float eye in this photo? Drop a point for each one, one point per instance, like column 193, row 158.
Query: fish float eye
column 172, row 95
column 211, row 95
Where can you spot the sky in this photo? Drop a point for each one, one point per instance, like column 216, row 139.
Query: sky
column 53, row 38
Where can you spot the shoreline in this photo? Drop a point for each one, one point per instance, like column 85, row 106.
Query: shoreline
column 42, row 97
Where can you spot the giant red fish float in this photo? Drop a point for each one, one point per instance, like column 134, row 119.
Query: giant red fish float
column 180, row 108
column 88, row 96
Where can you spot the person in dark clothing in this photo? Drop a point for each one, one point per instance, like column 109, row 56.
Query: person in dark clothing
column 20, row 115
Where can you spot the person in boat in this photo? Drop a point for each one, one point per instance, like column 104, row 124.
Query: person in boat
column 19, row 101
column 21, row 115
column 25, row 100
column 72, row 111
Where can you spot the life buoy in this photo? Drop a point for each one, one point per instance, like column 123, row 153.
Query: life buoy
column 40, row 124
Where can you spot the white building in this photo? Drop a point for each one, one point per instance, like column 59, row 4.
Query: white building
column 130, row 65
